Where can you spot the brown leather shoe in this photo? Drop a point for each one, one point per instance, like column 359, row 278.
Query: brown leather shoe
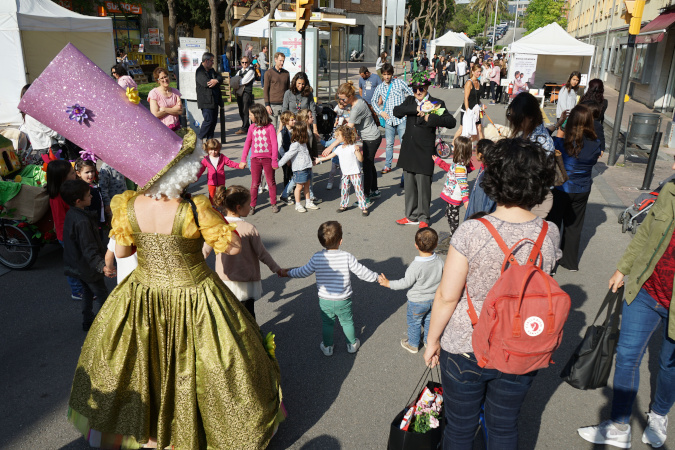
column 240, row 131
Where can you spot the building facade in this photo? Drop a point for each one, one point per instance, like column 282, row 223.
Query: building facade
column 365, row 36
column 652, row 76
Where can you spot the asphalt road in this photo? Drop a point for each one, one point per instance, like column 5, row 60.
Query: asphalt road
column 343, row 402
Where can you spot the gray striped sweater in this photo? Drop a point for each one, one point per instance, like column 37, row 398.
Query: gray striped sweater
column 332, row 269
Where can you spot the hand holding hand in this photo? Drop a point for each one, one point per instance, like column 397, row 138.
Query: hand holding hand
column 284, row 273
column 275, row 166
column 325, row 153
column 242, row 165
column 383, row 280
column 109, row 272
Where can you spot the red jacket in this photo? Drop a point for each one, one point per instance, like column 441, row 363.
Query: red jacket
column 59, row 209
column 216, row 175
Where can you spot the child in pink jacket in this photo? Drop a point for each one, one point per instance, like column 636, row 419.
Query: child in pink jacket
column 215, row 163
column 262, row 141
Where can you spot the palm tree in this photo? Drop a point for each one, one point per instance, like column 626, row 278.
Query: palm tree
column 487, row 8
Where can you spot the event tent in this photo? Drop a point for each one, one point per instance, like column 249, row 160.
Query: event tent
column 450, row 40
column 32, row 33
column 558, row 54
column 259, row 28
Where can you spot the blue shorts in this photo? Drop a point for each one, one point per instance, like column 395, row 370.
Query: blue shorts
column 302, row 176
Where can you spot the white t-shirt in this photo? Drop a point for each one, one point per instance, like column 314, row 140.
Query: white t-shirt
column 348, row 162
column 214, row 161
column 124, row 265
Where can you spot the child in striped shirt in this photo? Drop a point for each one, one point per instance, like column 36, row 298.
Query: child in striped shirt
column 332, row 267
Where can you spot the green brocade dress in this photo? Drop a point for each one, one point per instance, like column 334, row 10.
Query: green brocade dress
column 173, row 355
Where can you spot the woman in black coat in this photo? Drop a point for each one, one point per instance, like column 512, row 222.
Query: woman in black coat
column 417, row 148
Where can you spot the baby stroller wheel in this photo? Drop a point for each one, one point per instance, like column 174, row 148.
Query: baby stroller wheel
column 634, row 228
column 625, row 222
column 621, row 216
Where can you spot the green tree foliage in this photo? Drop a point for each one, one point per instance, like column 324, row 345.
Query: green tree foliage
column 540, row 13
column 467, row 21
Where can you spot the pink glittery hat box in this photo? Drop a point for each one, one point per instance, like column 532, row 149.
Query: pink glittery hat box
column 75, row 98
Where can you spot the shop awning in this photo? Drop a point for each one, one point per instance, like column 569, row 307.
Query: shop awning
column 655, row 30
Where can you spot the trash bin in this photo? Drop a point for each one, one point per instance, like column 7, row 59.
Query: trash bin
column 641, row 130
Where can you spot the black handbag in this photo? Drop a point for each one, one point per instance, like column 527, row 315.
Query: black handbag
column 409, row 440
column 592, row 361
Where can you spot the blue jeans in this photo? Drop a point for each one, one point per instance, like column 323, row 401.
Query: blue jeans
column 262, row 77
column 639, row 321
column 418, row 312
column 291, row 186
column 74, row 283
column 390, row 132
column 466, row 386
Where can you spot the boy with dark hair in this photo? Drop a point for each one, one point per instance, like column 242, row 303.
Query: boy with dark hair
column 422, row 279
column 83, row 251
column 332, row 267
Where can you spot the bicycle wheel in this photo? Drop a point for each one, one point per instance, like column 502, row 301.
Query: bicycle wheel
column 17, row 249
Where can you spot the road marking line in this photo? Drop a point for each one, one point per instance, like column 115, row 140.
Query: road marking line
column 545, row 116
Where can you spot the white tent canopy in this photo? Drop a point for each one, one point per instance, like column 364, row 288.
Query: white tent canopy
column 259, row 28
column 449, row 39
column 558, row 54
column 551, row 40
column 32, row 33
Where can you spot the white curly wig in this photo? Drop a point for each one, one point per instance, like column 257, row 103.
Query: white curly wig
column 176, row 179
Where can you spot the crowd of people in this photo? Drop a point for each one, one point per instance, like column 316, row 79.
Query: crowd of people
column 155, row 227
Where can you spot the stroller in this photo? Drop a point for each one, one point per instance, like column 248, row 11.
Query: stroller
column 633, row 216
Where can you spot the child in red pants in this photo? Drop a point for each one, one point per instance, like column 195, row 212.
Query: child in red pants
column 261, row 140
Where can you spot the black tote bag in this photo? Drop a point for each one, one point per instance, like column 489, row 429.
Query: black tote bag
column 592, row 361
column 409, row 440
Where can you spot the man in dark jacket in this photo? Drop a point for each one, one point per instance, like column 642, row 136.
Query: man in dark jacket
column 209, row 98
column 245, row 93
column 417, row 148
column 83, row 251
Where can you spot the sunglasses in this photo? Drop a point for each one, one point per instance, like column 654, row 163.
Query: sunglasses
column 419, row 89
column 245, row 62
column 343, row 100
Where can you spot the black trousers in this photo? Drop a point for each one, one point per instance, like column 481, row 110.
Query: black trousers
column 568, row 213
column 244, row 102
column 248, row 304
column 493, row 90
column 96, row 289
column 209, row 124
column 369, row 171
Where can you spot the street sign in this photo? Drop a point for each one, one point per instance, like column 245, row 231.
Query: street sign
column 395, row 13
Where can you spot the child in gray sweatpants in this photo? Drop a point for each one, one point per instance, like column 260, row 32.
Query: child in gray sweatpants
column 422, row 279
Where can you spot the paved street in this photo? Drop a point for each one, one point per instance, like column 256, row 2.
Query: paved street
column 345, row 401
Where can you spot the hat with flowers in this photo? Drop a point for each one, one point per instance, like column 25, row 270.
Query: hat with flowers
column 419, row 79
column 78, row 100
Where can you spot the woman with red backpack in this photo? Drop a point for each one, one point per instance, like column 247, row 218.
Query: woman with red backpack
column 474, row 264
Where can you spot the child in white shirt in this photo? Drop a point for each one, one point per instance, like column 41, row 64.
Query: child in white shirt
column 350, row 157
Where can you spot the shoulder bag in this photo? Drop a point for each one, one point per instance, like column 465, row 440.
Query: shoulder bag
column 383, row 123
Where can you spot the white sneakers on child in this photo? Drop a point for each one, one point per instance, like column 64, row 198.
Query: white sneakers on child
column 310, row 205
column 655, row 433
column 607, row 433
column 300, row 208
column 328, row 351
column 353, row 348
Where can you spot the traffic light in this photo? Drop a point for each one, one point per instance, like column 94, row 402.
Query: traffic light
column 303, row 12
column 633, row 15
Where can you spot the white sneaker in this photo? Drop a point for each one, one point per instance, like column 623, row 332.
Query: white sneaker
column 329, row 186
column 328, row 351
column 310, row 205
column 260, row 189
column 606, row 433
column 353, row 348
column 655, row 433
column 300, row 208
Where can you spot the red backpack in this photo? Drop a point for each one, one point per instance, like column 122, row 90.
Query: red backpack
column 521, row 322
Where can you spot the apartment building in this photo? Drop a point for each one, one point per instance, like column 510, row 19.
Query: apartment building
column 365, row 36
column 652, row 77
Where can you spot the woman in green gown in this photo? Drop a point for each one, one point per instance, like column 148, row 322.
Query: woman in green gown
column 173, row 358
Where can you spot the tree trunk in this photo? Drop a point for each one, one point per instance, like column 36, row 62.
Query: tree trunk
column 406, row 32
column 419, row 31
column 213, row 8
column 173, row 51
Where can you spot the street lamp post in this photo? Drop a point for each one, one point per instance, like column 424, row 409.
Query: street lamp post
column 494, row 28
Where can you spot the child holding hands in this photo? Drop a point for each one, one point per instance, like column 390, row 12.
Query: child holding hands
column 241, row 272
column 332, row 267
column 350, row 158
column 261, row 140
column 456, row 189
column 287, row 119
column 301, row 163
column 422, row 278
column 214, row 163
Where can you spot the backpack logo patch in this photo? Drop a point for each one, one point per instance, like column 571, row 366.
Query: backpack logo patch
column 534, row 326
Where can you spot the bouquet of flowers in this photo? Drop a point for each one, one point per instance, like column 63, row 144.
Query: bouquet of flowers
column 426, row 413
column 429, row 107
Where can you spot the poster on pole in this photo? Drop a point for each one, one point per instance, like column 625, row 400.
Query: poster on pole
column 189, row 59
column 289, row 42
column 153, row 36
column 395, row 13
column 524, row 67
